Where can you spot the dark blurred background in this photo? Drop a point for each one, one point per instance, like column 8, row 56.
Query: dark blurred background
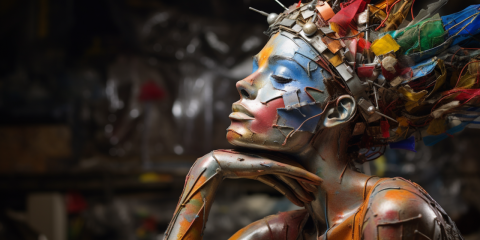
column 105, row 104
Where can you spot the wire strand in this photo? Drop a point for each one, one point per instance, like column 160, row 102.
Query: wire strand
column 359, row 32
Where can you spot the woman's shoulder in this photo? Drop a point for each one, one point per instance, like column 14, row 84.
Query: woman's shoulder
column 397, row 207
column 396, row 199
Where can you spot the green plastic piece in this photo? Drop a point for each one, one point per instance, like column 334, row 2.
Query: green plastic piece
column 421, row 36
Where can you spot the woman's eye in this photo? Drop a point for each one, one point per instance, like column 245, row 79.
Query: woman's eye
column 281, row 79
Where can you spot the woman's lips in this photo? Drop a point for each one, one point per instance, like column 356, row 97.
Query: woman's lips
column 240, row 116
column 240, row 112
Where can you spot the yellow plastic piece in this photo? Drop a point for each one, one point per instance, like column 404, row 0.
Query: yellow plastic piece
column 336, row 60
column 151, row 177
column 467, row 81
column 441, row 74
column 402, row 126
column 413, row 98
column 436, row 127
column 381, row 166
column 384, row 45
column 335, row 27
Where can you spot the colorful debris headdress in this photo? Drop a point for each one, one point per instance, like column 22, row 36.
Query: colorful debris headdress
column 415, row 80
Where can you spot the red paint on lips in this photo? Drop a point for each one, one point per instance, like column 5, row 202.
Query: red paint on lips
column 265, row 115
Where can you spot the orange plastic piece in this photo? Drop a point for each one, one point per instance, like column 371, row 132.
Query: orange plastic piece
column 325, row 11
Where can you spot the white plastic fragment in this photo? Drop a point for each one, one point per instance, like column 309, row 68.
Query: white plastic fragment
column 441, row 110
column 389, row 63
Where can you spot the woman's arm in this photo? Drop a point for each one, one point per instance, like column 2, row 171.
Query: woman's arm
column 206, row 174
column 194, row 205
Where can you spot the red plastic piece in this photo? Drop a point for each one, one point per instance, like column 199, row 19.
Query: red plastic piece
column 150, row 91
column 345, row 16
column 363, row 45
column 466, row 94
column 384, row 127
column 398, row 72
column 75, row 202
column 365, row 71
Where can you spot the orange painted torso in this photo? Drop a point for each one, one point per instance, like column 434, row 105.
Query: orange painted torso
column 354, row 227
column 351, row 227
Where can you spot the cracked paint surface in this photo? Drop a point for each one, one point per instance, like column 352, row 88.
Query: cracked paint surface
column 285, row 64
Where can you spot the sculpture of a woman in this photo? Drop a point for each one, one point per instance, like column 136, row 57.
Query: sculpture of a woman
column 318, row 100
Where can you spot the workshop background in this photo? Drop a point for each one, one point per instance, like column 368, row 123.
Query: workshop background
column 105, row 105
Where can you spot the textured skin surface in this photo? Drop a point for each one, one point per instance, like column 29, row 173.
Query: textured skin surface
column 285, row 226
column 399, row 209
column 293, row 104
column 207, row 173
column 396, row 209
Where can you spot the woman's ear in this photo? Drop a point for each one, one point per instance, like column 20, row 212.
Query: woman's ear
column 342, row 112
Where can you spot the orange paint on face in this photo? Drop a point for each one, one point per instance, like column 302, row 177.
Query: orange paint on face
column 232, row 135
column 266, row 52
column 264, row 55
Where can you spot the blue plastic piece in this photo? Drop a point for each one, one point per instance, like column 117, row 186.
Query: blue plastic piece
column 407, row 144
column 450, row 23
column 434, row 139
column 421, row 70
column 424, row 68
column 467, row 119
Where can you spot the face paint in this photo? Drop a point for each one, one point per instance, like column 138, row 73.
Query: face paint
column 264, row 115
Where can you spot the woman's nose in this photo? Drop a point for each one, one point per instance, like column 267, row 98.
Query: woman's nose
column 247, row 87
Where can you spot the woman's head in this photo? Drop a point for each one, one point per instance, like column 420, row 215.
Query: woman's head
column 282, row 101
column 318, row 71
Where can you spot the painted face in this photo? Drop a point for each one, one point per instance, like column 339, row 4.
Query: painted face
column 282, row 95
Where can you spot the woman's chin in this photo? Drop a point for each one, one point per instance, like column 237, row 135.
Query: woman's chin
column 243, row 140
column 243, row 137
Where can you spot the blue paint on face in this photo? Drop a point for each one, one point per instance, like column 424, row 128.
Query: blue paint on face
column 291, row 67
column 300, row 68
column 294, row 118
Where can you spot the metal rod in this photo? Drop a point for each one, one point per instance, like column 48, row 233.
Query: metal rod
column 376, row 97
column 311, row 6
column 314, row 18
column 281, row 4
column 376, row 84
column 258, row 11
column 335, row 4
column 367, row 33
column 383, row 115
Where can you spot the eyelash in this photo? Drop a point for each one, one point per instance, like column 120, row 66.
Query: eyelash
column 281, row 79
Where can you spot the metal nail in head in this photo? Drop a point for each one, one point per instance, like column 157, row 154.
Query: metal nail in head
column 312, row 5
column 310, row 28
column 271, row 18
column 281, row 4
column 371, row 110
column 383, row 115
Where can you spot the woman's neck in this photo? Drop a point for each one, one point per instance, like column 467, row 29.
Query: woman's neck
column 342, row 189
